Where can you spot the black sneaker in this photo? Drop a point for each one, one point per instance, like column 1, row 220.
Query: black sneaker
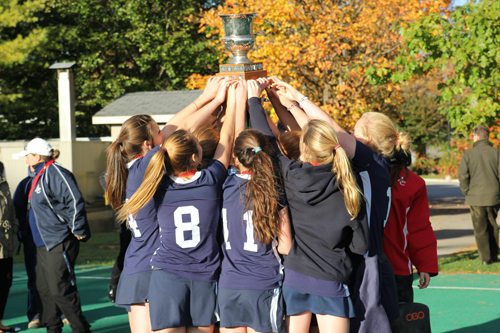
column 111, row 294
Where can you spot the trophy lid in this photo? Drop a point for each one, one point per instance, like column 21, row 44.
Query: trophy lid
column 238, row 24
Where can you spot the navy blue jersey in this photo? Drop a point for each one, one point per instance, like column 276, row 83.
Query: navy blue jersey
column 188, row 213
column 144, row 228
column 246, row 264
column 374, row 171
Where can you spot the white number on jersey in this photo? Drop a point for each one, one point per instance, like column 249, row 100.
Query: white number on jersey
column 249, row 245
column 388, row 205
column 225, row 229
column 133, row 226
column 191, row 225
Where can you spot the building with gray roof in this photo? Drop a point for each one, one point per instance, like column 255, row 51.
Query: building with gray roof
column 161, row 105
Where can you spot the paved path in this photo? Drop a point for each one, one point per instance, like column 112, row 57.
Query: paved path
column 450, row 217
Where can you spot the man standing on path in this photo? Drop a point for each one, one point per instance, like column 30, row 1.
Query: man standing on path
column 479, row 176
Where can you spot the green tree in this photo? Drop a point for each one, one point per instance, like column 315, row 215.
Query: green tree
column 120, row 46
column 469, row 40
column 419, row 115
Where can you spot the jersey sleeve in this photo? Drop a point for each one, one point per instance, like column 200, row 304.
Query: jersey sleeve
column 361, row 232
column 218, row 170
column 422, row 243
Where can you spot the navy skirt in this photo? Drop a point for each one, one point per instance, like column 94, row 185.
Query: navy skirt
column 132, row 289
column 297, row 302
column 261, row 310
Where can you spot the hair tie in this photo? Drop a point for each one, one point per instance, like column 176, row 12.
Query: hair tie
column 257, row 149
column 337, row 147
column 399, row 143
column 165, row 149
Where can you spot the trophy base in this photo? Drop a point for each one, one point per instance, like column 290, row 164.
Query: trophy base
column 250, row 71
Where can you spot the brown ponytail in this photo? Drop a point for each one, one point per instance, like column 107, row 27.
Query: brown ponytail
column 254, row 152
column 322, row 147
column 134, row 132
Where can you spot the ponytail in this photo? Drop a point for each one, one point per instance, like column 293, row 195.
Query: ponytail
column 152, row 178
column 116, row 181
column 174, row 157
column 323, row 147
column 346, row 182
column 134, row 131
column 255, row 153
column 401, row 158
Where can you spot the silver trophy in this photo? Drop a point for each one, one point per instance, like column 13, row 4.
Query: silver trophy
column 239, row 38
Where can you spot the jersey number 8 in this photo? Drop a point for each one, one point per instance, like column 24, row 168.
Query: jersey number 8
column 192, row 225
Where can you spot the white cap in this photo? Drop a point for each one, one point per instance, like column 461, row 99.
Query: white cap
column 37, row 146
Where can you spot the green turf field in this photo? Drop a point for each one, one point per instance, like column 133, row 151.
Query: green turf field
column 461, row 303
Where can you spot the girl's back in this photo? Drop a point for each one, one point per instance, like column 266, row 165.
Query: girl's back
column 145, row 237
column 188, row 214
column 247, row 263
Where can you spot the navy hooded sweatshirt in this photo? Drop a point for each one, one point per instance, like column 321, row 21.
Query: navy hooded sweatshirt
column 326, row 239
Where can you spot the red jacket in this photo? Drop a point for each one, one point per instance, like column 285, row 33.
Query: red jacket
column 408, row 235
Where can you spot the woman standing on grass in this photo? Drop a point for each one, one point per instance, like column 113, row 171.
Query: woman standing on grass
column 58, row 223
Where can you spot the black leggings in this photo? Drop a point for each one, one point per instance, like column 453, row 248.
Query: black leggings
column 6, row 267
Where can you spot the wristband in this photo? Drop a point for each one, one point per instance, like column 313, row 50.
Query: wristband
column 291, row 106
column 301, row 102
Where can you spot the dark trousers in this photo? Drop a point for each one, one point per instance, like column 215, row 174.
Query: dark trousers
column 125, row 238
column 6, row 267
column 30, row 262
column 404, row 284
column 484, row 221
column 57, row 294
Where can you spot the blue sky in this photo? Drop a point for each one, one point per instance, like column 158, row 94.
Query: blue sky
column 458, row 2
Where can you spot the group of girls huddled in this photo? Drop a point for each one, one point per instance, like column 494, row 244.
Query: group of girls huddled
column 253, row 229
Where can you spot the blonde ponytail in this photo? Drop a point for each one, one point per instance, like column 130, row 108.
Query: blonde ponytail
column 322, row 147
column 174, row 157
column 152, row 178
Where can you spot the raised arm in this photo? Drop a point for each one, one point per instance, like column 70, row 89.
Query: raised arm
column 224, row 148
column 283, row 107
column 241, row 107
column 199, row 117
column 315, row 112
column 206, row 97
column 285, row 235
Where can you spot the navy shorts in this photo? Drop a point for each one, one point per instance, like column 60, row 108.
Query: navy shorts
column 298, row 302
column 132, row 289
column 261, row 310
column 176, row 302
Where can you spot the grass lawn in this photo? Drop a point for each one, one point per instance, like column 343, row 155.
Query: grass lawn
column 466, row 262
column 102, row 249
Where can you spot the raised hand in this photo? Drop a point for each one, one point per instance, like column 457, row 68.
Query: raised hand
column 222, row 90
column 254, row 89
column 231, row 94
column 284, row 89
column 212, row 87
column 242, row 91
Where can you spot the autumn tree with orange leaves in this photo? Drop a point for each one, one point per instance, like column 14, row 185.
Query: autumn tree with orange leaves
column 327, row 49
